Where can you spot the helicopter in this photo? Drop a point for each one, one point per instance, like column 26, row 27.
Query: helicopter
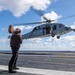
column 46, row 28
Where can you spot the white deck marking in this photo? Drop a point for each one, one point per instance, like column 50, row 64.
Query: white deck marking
column 39, row 71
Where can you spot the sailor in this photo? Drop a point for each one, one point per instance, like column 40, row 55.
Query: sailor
column 15, row 41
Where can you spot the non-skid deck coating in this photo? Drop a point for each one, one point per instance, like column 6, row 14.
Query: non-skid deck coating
column 54, row 63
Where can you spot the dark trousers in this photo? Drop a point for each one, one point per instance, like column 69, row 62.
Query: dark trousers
column 13, row 60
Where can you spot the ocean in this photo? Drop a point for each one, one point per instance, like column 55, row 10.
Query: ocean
column 35, row 52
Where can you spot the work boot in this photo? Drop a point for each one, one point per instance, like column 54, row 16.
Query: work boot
column 15, row 68
column 12, row 72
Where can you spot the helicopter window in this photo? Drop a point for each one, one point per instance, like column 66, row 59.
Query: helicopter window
column 60, row 25
column 34, row 29
column 54, row 27
column 38, row 27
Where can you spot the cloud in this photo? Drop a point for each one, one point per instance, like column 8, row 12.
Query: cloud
column 20, row 7
column 40, row 4
column 51, row 16
column 73, row 26
column 36, row 40
column 3, row 40
column 22, row 27
column 64, row 43
column 69, row 38
column 25, row 27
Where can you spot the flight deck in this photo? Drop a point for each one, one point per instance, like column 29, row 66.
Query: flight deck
column 40, row 63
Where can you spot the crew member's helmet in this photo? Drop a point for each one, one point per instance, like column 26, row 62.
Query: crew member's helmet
column 17, row 30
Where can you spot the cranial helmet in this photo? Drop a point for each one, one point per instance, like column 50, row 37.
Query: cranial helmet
column 17, row 30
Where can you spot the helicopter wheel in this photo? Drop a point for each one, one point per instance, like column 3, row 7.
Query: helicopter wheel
column 58, row 37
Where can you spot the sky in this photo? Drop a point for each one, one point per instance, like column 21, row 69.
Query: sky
column 21, row 11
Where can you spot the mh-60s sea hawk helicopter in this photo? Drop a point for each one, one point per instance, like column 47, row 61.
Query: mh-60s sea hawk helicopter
column 46, row 29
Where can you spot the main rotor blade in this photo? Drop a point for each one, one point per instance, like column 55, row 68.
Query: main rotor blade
column 67, row 17
column 30, row 23
column 48, row 21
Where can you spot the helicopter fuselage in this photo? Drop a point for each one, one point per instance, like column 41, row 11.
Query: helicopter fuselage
column 49, row 29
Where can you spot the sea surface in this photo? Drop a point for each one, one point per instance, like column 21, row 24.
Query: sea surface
column 35, row 52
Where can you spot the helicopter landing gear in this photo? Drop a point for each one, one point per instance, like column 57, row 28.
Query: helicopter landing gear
column 52, row 34
column 58, row 37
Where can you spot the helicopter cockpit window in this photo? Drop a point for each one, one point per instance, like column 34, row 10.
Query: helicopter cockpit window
column 34, row 29
column 60, row 25
column 54, row 27
column 38, row 27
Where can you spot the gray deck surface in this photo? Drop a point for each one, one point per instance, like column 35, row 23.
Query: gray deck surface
column 59, row 61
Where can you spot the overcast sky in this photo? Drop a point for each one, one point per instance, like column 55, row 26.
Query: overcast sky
column 15, row 12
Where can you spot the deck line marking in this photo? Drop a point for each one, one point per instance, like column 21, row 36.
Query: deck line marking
column 39, row 71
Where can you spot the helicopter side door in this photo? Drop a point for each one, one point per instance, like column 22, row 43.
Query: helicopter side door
column 46, row 30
